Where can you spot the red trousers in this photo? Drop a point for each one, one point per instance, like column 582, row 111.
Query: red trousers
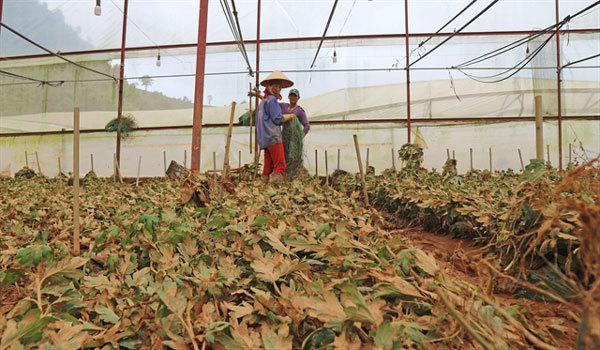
column 274, row 160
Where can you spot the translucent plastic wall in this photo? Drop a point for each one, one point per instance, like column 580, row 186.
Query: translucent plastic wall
column 365, row 82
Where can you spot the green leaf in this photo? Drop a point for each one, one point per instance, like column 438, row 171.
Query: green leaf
column 106, row 314
column 10, row 276
column 33, row 255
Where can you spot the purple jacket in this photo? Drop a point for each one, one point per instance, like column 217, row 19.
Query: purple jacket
column 268, row 122
column 300, row 114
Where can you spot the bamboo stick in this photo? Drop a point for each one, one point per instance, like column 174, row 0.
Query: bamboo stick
column 471, row 157
column 76, row 245
column 367, row 158
column 59, row 167
column 185, row 158
column 490, row 158
column 338, row 159
column 539, row 129
column 239, row 159
column 37, row 159
column 521, row 159
column 92, row 160
column 326, row 170
column 447, row 153
column 360, row 168
column 453, row 155
column 165, row 161
column 250, row 116
column 393, row 159
column 215, row 164
column 316, row 164
column 117, row 170
column 26, row 160
column 137, row 179
column 228, row 143
column 547, row 153
column 570, row 152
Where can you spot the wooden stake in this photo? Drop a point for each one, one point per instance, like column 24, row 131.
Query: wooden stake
column 367, row 158
column 59, row 167
column 215, row 163
column 239, row 159
column 165, row 161
column 117, row 170
column 453, row 155
column 250, row 115
column 37, row 159
column 447, row 153
column 521, row 159
column 316, row 164
column 137, row 179
column 228, row 143
column 490, row 158
column 338, row 160
column 184, row 158
column 326, row 170
column 570, row 152
column 256, row 157
column 92, row 160
column 393, row 159
column 360, row 168
column 471, row 157
column 547, row 153
column 76, row 247
column 539, row 129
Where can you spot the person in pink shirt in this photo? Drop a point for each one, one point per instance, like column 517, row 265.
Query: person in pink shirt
column 293, row 108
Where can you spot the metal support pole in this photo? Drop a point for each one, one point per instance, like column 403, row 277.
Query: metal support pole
column 76, row 247
column 407, row 70
column 199, row 87
column 121, row 81
column 257, row 72
column 558, row 88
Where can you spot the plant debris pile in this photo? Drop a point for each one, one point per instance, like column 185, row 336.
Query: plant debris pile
column 127, row 125
column 265, row 267
column 293, row 146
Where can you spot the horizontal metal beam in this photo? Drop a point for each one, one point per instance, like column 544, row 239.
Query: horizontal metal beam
column 320, row 122
column 312, row 38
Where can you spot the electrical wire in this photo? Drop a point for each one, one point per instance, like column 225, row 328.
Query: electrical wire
column 444, row 26
column 239, row 28
column 579, row 61
column 22, row 77
column 325, row 32
column 456, row 32
column 520, row 65
column 53, row 53
column 236, row 31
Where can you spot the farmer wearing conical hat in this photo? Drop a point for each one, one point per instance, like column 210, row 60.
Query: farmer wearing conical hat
column 269, row 119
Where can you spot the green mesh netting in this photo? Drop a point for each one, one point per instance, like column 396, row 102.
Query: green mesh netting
column 293, row 146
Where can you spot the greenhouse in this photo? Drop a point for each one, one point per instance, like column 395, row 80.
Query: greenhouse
column 317, row 174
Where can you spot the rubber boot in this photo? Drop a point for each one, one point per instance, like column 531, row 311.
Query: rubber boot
column 277, row 178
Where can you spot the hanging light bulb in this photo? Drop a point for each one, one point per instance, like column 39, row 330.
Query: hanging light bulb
column 158, row 59
column 97, row 9
column 334, row 58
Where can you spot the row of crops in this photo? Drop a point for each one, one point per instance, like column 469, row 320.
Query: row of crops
column 301, row 266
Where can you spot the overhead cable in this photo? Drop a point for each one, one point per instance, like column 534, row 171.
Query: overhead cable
column 233, row 22
column 579, row 61
column 239, row 28
column 445, row 25
column 456, row 32
column 54, row 53
column 324, row 33
column 22, row 77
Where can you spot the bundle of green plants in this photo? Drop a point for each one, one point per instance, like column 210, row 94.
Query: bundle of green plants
column 126, row 126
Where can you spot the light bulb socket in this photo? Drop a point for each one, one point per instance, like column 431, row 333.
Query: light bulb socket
column 158, row 60
column 97, row 8
column 334, row 58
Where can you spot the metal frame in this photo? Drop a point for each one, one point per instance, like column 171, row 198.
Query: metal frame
column 201, row 51
column 121, row 83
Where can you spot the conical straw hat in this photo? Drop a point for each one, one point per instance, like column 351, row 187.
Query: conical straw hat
column 277, row 75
